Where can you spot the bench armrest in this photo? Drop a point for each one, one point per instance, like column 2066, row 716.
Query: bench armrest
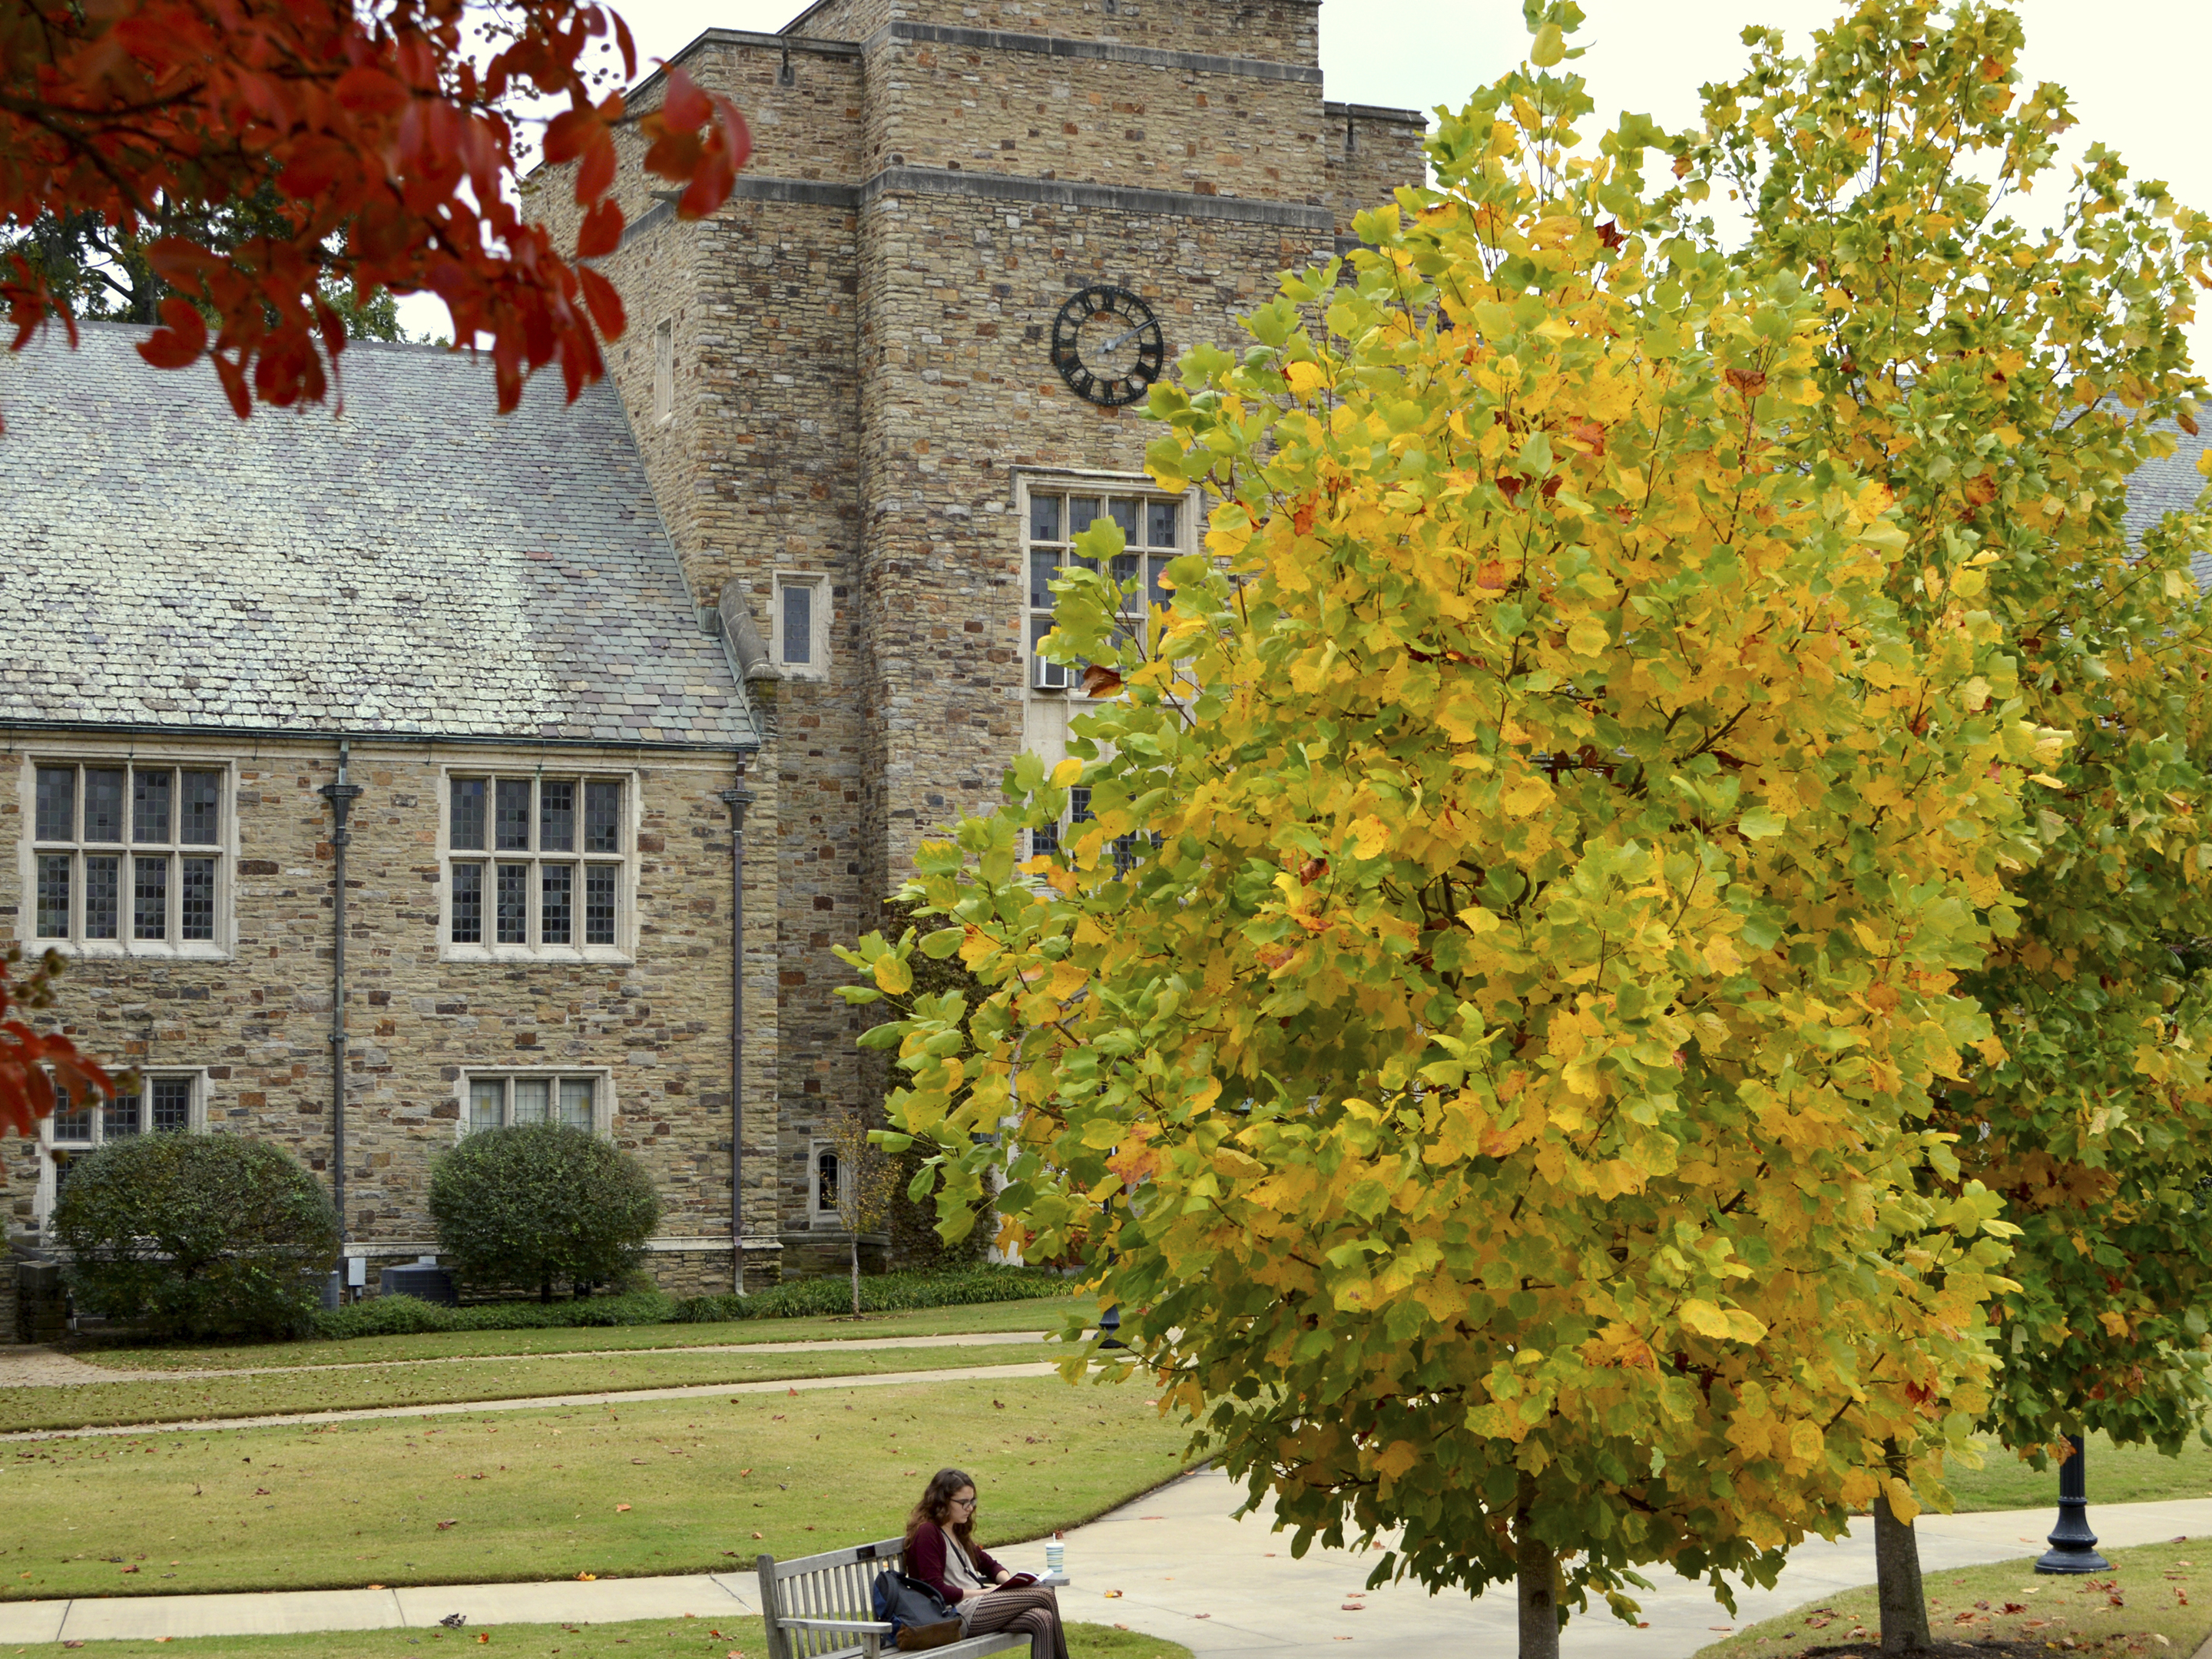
column 865, row 1626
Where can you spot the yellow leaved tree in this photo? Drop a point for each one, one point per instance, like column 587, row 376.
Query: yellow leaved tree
column 2001, row 347
column 1484, row 1035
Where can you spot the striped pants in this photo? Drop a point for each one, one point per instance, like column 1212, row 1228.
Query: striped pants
column 1034, row 1610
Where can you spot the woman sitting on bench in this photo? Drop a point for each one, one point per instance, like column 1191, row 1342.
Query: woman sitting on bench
column 941, row 1549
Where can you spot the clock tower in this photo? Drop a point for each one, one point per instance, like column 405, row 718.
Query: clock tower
column 881, row 390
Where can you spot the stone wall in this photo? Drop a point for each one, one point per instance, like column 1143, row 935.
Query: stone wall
column 1370, row 153
column 983, row 105
column 862, row 371
column 760, row 474
column 1279, row 31
column 658, row 1025
column 958, row 294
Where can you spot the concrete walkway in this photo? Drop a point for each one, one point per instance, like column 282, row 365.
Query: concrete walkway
column 464, row 1408
column 37, row 1367
column 1184, row 1568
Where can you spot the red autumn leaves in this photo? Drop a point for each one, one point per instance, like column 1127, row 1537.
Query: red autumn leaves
column 389, row 151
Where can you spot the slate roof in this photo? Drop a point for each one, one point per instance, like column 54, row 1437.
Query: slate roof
column 2169, row 484
column 416, row 566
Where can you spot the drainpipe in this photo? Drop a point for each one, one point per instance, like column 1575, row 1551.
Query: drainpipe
column 341, row 796
column 736, row 801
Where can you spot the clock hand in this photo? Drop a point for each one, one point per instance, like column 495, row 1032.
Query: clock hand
column 1120, row 339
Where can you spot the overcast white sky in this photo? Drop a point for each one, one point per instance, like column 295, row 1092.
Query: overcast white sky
column 2134, row 67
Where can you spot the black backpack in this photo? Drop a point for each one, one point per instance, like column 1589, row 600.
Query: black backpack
column 907, row 1603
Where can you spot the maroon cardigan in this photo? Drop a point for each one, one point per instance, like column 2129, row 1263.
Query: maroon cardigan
column 925, row 1559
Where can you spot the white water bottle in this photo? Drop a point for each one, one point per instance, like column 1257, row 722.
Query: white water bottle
column 1055, row 1552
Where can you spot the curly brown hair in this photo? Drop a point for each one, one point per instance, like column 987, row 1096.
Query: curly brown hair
column 934, row 1509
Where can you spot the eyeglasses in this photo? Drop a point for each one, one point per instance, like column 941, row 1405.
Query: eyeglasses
column 963, row 1503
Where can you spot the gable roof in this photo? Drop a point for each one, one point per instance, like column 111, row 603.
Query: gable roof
column 2169, row 483
column 417, row 565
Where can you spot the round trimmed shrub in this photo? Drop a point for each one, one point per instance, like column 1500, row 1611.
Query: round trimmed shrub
column 196, row 1234
column 534, row 1203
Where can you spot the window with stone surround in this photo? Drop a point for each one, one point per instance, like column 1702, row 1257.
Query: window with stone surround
column 497, row 1099
column 1054, row 514
column 800, row 622
column 166, row 1103
column 825, row 1181
column 538, row 867
column 130, row 860
column 664, row 372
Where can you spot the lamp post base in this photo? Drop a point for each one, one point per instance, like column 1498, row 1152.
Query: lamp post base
column 2072, row 1546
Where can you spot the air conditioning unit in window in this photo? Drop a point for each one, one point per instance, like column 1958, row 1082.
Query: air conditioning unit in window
column 1053, row 676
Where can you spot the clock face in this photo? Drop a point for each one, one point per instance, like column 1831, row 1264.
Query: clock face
column 1107, row 345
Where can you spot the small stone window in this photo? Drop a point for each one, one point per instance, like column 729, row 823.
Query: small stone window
column 493, row 1100
column 824, row 1175
column 538, row 867
column 664, row 373
column 130, row 860
column 800, row 623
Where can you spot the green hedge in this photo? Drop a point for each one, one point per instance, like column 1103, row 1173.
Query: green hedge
column 404, row 1315
column 197, row 1235
column 880, row 1293
column 407, row 1315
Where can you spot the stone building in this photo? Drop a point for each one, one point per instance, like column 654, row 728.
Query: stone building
column 805, row 536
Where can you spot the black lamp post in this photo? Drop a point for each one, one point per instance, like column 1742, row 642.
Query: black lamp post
column 2072, row 1546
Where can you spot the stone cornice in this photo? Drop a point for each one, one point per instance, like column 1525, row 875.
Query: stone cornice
column 1006, row 187
column 1113, row 198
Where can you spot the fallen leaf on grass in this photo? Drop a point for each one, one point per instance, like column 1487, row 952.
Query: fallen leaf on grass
column 756, row 1534
column 587, row 1577
column 443, row 1525
column 621, row 1508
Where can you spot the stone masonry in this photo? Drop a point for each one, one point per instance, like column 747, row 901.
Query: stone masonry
column 859, row 387
column 419, row 591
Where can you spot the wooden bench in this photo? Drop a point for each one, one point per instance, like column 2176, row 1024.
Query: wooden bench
column 824, row 1607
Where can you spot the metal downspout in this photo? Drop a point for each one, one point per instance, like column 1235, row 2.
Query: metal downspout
column 341, row 796
column 736, row 801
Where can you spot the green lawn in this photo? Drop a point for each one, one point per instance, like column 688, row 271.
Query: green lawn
column 1043, row 1314
column 2125, row 1475
column 709, row 1484
column 2157, row 1599
column 78, row 1405
column 649, row 1638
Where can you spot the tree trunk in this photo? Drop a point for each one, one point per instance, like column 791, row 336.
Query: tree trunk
column 545, row 1288
column 1539, row 1582
column 856, row 1275
column 1897, row 1575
